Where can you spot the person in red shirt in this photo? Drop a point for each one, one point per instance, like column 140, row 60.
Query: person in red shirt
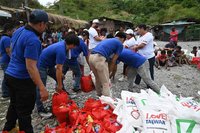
column 161, row 59
column 174, row 36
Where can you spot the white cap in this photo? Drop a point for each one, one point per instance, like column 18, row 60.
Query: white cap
column 129, row 31
column 70, row 30
column 116, row 33
column 95, row 21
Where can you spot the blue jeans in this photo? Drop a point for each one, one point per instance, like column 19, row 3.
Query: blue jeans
column 4, row 87
column 75, row 67
column 151, row 69
column 43, row 74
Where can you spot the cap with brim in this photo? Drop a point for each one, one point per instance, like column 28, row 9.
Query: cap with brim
column 129, row 31
column 95, row 21
column 38, row 16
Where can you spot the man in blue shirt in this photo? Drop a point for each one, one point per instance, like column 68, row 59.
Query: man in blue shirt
column 72, row 63
column 22, row 74
column 137, row 64
column 5, row 42
column 98, row 61
column 53, row 57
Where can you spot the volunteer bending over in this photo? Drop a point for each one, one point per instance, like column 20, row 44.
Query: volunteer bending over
column 51, row 57
column 137, row 64
column 99, row 65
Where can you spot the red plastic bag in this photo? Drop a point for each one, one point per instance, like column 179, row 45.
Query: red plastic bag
column 111, row 125
column 59, row 99
column 91, row 104
column 87, row 84
column 59, row 129
column 62, row 112
column 73, row 116
column 72, row 105
column 99, row 113
column 195, row 60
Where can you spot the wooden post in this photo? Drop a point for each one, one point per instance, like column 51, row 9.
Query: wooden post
column 27, row 12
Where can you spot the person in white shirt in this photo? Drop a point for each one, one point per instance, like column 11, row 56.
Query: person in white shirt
column 129, row 43
column 93, row 35
column 145, row 47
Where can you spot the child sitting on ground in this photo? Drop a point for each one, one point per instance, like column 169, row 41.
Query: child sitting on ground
column 180, row 56
column 161, row 59
column 171, row 59
column 194, row 51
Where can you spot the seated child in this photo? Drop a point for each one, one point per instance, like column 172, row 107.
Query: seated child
column 171, row 60
column 161, row 59
column 194, row 51
column 180, row 56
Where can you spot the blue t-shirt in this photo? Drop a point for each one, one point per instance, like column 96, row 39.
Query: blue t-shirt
column 5, row 43
column 131, row 58
column 52, row 55
column 108, row 47
column 75, row 52
column 25, row 44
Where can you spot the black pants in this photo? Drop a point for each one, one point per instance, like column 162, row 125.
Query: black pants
column 151, row 69
column 22, row 101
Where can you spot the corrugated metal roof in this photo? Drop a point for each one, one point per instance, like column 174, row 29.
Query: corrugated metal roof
column 178, row 23
column 5, row 14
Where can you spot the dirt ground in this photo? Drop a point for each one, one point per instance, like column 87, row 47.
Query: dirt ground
column 183, row 81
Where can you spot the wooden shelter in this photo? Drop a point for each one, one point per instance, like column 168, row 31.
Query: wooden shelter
column 57, row 20
column 187, row 30
column 110, row 23
column 62, row 20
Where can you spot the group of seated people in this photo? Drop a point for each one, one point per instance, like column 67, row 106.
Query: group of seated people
column 169, row 57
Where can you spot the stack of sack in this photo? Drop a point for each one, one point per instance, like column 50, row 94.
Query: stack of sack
column 94, row 117
column 144, row 112
column 148, row 112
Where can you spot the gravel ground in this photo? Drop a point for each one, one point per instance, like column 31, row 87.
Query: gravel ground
column 183, row 81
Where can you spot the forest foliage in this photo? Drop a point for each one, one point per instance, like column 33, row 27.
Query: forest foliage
column 137, row 11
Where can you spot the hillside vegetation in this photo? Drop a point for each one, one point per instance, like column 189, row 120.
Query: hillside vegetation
column 137, row 11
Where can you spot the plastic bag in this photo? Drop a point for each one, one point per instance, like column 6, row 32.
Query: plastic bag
column 59, row 99
column 110, row 101
column 81, row 59
column 195, row 60
column 179, row 125
column 91, row 104
column 155, row 122
column 130, row 109
column 87, row 84
column 127, row 127
column 59, row 129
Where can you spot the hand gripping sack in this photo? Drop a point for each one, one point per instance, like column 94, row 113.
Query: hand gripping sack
column 87, row 84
